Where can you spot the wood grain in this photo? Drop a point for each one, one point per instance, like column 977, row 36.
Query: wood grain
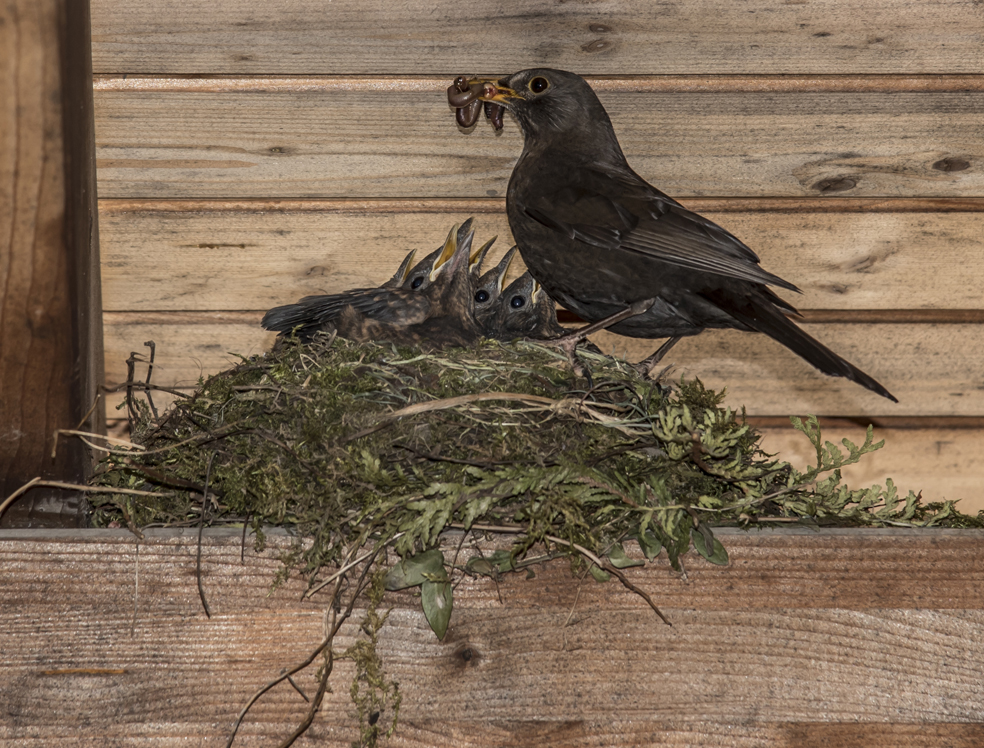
column 801, row 634
column 934, row 369
column 225, row 256
column 49, row 280
column 366, row 143
column 353, row 37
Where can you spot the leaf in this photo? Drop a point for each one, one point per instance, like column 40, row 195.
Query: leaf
column 413, row 571
column 599, row 574
column 436, row 599
column 650, row 545
column 620, row 560
column 717, row 555
column 497, row 561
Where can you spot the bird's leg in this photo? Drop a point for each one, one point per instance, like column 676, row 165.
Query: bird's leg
column 568, row 343
column 647, row 365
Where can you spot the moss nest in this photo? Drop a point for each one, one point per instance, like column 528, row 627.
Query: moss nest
column 366, row 444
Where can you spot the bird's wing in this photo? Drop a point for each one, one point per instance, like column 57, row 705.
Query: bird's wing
column 628, row 214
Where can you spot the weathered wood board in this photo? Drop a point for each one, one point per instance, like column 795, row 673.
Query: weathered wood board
column 386, row 141
column 629, row 36
column 858, row 637
column 226, row 255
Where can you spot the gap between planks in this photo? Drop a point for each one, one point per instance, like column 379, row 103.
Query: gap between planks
column 626, row 83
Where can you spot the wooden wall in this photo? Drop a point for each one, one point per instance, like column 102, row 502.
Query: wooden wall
column 50, row 311
column 251, row 154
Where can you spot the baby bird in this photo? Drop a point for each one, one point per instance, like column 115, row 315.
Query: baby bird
column 313, row 313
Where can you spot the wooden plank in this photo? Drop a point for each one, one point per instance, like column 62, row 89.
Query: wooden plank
column 367, row 143
column 353, row 37
column 802, row 634
column 934, row 369
column 50, row 365
column 626, row 83
column 223, row 256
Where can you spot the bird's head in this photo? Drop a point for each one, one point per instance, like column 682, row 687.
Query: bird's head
column 487, row 288
column 524, row 309
column 547, row 101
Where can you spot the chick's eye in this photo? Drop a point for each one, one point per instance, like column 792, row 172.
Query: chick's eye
column 416, row 282
column 539, row 85
column 481, row 296
column 517, row 302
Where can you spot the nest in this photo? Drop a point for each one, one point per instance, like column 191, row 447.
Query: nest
column 366, row 444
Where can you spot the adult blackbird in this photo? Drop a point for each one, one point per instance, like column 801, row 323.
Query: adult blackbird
column 600, row 239
column 314, row 313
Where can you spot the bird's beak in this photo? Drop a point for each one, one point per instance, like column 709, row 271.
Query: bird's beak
column 493, row 90
column 404, row 269
column 450, row 245
column 503, row 267
column 475, row 261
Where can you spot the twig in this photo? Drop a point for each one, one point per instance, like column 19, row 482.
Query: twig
column 451, row 402
column 348, row 566
column 144, row 386
column 82, row 436
column 70, row 487
column 336, row 623
column 201, row 525
column 150, row 370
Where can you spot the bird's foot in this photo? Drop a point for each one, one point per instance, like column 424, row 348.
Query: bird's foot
column 647, row 366
column 568, row 343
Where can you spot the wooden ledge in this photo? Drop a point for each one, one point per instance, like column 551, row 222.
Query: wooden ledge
column 859, row 637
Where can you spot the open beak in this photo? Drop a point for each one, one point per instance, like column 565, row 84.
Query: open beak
column 493, row 90
column 447, row 252
column 478, row 256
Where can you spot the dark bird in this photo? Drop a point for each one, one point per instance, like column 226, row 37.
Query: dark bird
column 313, row 313
column 524, row 310
column 438, row 315
column 602, row 241
column 487, row 288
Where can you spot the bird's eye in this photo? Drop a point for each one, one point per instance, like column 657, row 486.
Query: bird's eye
column 517, row 302
column 481, row 296
column 417, row 282
column 539, row 85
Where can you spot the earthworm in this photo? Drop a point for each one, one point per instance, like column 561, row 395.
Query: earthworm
column 463, row 96
column 468, row 115
column 493, row 113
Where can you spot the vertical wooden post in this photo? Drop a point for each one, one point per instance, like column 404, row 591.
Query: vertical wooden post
column 50, row 305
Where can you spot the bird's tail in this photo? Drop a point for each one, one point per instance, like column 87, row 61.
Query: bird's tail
column 762, row 316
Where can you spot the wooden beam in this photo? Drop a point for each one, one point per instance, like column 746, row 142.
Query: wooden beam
column 50, row 323
column 217, row 255
column 807, row 638
column 675, row 37
column 338, row 142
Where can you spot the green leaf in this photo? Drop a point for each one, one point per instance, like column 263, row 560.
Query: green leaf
column 599, row 574
column 413, row 571
column 650, row 545
column 497, row 561
column 621, row 561
column 717, row 554
column 436, row 599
